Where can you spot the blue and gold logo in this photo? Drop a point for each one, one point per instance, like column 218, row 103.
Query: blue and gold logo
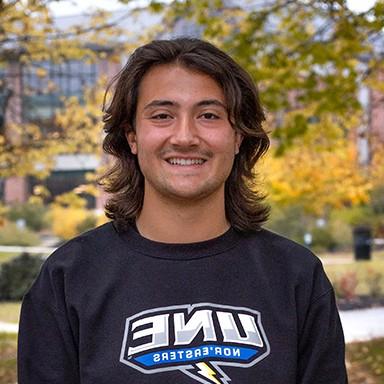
column 198, row 340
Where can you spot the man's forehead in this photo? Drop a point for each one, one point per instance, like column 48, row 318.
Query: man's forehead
column 174, row 85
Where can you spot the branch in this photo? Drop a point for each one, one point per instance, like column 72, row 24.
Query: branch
column 63, row 35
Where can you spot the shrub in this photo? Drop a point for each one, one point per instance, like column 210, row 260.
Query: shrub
column 345, row 286
column 68, row 212
column 374, row 282
column 341, row 231
column 288, row 221
column 10, row 234
column 65, row 220
column 34, row 215
column 17, row 275
column 88, row 223
column 323, row 240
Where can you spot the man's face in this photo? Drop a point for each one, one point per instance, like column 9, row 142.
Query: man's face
column 183, row 138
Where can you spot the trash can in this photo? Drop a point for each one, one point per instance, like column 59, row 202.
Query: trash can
column 362, row 243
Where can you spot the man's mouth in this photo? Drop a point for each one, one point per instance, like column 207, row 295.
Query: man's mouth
column 183, row 161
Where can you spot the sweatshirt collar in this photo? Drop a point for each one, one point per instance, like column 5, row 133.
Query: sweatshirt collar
column 182, row 251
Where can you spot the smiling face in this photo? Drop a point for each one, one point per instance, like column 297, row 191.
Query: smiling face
column 183, row 138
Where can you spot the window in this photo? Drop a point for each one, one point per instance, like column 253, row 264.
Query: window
column 45, row 83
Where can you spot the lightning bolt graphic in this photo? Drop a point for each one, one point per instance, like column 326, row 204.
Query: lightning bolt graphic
column 206, row 371
column 209, row 373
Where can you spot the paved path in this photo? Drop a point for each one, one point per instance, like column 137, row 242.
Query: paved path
column 9, row 327
column 358, row 324
column 363, row 324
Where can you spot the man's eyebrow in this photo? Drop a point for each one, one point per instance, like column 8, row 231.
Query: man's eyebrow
column 161, row 103
column 211, row 102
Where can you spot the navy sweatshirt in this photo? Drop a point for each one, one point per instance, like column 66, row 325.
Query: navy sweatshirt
column 114, row 307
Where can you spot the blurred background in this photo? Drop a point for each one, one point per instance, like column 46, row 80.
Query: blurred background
column 319, row 66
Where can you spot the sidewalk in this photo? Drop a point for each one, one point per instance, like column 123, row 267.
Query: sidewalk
column 9, row 327
column 363, row 324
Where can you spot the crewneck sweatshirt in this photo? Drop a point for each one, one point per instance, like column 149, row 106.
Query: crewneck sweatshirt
column 114, row 307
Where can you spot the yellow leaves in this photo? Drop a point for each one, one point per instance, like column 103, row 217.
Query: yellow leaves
column 65, row 220
column 41, row 72
column 67, row 214
column 318, row 171
column 29, row 149
column 69, row 199
column 81, row 122
column 40, row 191
column 377, row 165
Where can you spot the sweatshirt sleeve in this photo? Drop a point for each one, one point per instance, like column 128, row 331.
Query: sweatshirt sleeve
column 321, row 344
column 47, row 346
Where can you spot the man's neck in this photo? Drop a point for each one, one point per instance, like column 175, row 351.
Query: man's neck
column 182, row 222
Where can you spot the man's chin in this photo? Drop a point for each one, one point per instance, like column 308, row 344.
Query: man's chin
column 190, row 194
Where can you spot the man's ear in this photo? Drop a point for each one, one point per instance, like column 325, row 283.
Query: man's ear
column 238, row 140
column 131, row 139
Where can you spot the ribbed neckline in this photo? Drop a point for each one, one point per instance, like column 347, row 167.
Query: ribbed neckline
column 182, row 251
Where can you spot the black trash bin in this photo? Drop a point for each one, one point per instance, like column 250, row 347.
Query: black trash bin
column 362, row 239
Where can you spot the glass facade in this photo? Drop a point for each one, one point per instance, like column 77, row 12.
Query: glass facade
column 45, row 84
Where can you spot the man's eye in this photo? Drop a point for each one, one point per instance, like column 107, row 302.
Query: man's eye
column 161, row 116
column 209, row 116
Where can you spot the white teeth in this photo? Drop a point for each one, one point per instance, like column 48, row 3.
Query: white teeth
column 176, row 161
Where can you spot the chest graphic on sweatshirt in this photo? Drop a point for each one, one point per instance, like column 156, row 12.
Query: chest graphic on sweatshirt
column 198, row 340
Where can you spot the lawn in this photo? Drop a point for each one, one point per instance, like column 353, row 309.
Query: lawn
column 366, row 362
column 9, row 312
column 8, row 344
column 6, row 256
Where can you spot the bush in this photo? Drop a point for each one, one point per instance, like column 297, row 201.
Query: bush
column 323, row 240
column 10, row 234
column 70, row 216
column 345, row 287
column 34, row 215
column 289, row 222
column 375, row 281
column 17, row 275
column 65, row 221
column 341, row 231
column 88, row 223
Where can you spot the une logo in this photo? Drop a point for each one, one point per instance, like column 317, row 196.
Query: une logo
column 195, row 339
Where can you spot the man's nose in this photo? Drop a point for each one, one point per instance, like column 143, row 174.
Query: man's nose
column 185, row 132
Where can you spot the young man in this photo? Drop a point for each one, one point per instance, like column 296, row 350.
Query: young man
column 183, row 286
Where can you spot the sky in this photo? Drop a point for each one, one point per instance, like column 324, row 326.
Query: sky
column 72, row 7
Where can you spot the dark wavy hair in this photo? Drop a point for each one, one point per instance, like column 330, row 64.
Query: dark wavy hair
column 244, row 205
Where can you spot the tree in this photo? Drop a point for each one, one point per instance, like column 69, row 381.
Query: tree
column 318, row 173
column 31, row 43
column 308, row 73
column 309, row 58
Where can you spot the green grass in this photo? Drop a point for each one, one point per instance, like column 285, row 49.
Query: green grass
column 8, row 351
column 366, row 361
column 9, row 312
column 6, row 256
